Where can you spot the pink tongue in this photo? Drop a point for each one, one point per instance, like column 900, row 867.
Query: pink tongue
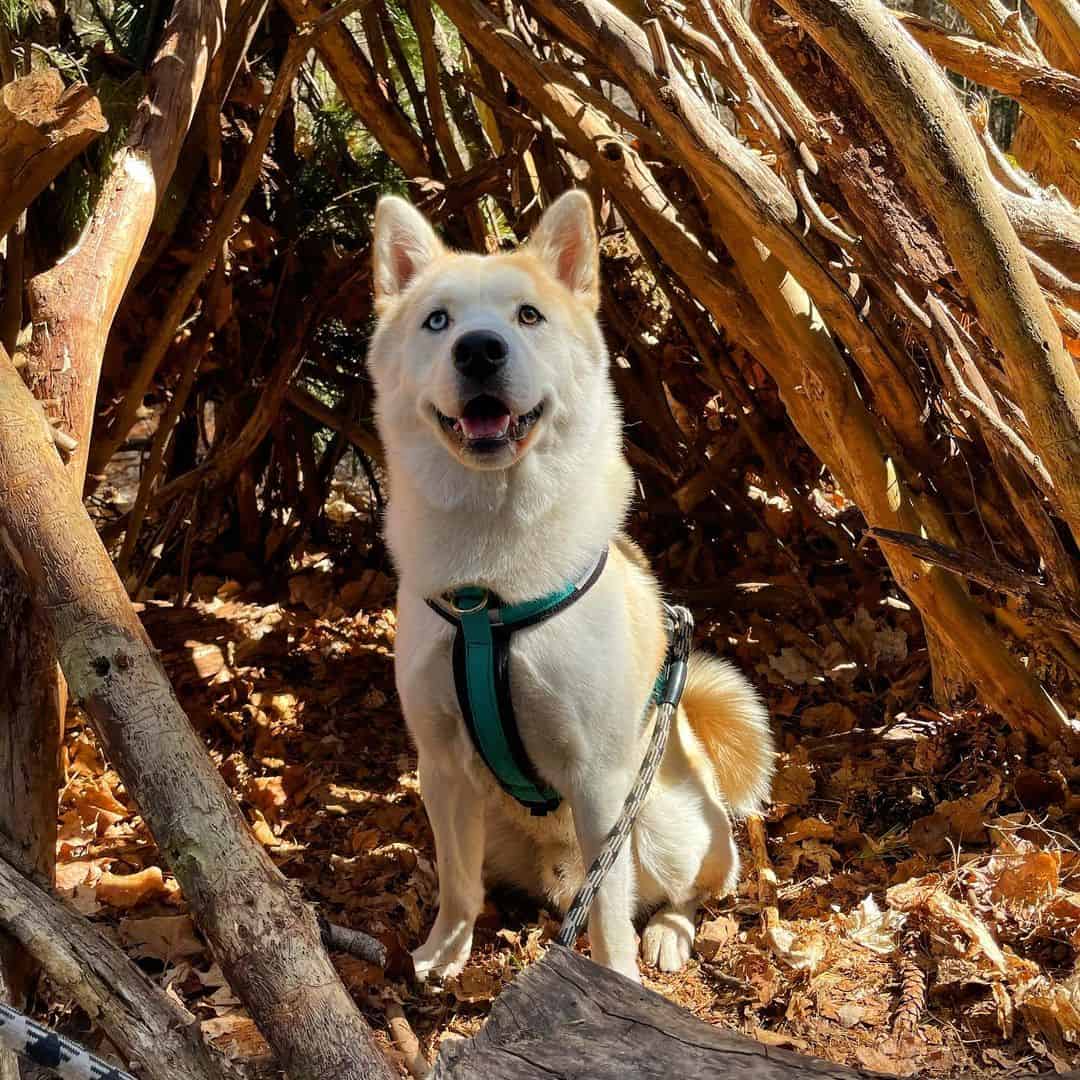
column 485, row 427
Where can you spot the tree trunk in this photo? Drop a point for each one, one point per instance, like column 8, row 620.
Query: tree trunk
column 262, row 933
column 42, row 128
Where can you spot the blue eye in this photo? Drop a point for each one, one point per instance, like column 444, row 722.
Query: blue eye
column 529, row 316
column 437, row 320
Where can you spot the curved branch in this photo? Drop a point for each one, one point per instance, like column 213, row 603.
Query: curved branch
column 1051, row 97
column 920, row 114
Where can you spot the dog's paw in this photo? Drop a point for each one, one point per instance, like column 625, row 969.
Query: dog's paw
column 668, row 940
column 440, row 960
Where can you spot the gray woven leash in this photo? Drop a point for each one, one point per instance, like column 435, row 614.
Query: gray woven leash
column 681, row 631
column 44, row 1047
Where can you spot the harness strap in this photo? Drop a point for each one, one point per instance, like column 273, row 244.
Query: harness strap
column 481, row 659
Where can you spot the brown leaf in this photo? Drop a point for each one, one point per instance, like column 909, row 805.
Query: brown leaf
column 793, row 784
column 713, row 935
column 1026, row 880
column 164, row 937
column 130, row 890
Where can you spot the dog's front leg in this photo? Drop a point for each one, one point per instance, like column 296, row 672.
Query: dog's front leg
column 456, row 811
column 612, row 939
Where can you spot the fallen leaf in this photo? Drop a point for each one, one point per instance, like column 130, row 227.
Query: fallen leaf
column 164, row 937
column 714, row 934
column 793, row 784
column 873, row 928
column 130, row 890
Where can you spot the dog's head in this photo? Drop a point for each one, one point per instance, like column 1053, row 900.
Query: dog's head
column 486, row 358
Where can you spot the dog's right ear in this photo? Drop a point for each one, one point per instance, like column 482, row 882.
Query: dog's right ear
column 405, row 243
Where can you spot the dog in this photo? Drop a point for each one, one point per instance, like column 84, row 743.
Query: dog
column 506, row 473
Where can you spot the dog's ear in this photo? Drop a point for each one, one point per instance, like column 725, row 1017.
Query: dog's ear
column 566, row 240
column 404, row 244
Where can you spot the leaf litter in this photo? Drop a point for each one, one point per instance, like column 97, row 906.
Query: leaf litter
column 910, row 905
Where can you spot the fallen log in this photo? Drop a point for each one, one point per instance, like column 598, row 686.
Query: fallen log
column 568, row 1017
column 260, row 930
column 152, row 1030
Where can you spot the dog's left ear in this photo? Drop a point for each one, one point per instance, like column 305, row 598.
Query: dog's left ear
column 404, row 244
column 566, row 240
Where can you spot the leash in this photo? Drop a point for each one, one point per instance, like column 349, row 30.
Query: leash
column 51, row 1050
column 681, row 624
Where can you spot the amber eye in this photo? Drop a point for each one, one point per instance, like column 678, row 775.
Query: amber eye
column 437, row 320
column 529, row 316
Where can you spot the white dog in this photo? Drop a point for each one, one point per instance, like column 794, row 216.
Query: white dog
column 506, row 474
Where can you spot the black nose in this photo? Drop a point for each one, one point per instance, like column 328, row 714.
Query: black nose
column 479, row 354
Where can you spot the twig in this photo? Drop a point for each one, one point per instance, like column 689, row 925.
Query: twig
column 999, row 428
column 406, row 1042
column 354, row 942
column 1044, row 604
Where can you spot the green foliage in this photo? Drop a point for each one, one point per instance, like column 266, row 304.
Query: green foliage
column 17, row 15
column 343, row 173
column 128, row 27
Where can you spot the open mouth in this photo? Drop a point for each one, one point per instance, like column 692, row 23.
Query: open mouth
column 487, row 425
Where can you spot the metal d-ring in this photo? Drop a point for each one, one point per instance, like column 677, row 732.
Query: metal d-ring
column 479, row 606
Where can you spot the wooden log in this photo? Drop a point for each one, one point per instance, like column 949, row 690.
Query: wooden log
column 1047, row 227
column 567, row 1017
column 623, row 172
column 740, row 186
column 819, row 391
column 1035, row 86
column 260, row 930
column 152, row 1030
column 1062, row 19
column 72, row 306
column 43, row 126
column 997, row 24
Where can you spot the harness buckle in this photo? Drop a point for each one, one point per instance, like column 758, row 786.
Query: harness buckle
column 480, row 604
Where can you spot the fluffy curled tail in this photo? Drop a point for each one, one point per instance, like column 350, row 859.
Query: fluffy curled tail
column 729, row 717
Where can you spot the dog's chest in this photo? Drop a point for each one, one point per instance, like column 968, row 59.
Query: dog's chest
column 568, row 684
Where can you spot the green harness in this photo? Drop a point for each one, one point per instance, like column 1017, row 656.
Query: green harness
column 481, row 657
column 482, row 678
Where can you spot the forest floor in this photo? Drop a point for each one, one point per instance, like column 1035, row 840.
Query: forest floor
column 914, row 907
